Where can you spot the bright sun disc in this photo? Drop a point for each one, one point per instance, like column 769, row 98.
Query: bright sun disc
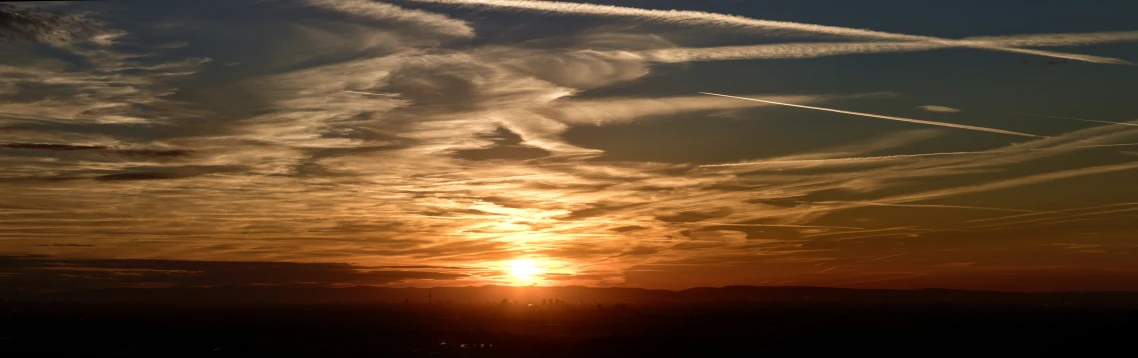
column 523, row 270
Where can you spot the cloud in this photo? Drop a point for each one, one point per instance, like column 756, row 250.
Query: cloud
column 506, row 146
column 34, row 24
column 106, row 87
column 125, row 152
column 143, row 176
column 38, row 273
column 391, row 14
column 941, row 109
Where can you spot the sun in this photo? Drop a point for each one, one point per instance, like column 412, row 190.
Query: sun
column 524, row 271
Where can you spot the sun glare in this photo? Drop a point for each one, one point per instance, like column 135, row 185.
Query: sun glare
column 524, row 271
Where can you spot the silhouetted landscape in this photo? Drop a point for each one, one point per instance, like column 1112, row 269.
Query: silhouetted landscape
column 501, row 321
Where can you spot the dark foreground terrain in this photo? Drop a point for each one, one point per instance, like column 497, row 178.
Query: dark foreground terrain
column 560, row 330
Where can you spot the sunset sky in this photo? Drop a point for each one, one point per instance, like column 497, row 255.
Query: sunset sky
column 950, row 144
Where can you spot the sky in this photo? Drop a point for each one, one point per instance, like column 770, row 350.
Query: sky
column 634, row 143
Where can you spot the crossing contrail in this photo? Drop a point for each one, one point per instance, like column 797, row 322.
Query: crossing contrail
column 734, row 21
column 942, row 124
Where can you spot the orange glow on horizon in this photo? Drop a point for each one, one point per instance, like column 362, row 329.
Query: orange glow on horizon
column 524, row 271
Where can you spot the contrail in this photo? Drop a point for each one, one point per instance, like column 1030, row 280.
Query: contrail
column 1053, row 218
column 1077, row 39
column 1011, row 183
column 371, row 94
column 782, row 51
column 723, row 20
column 1077, row 119
column 870, row 203
column 864, row 261
column 498, row 179
column 839, row 160
column 942, row 124
column 804, row 50
column 1095, row 146
column 1107, row 145
column 1053, row 212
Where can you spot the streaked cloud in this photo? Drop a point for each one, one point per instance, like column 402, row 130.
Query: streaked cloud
column 388, row 13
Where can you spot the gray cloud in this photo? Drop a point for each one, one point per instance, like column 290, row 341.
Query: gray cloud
column 126, row 152
column 33, row 24
column 144, row 176
column 38, row 273
column 942, row 109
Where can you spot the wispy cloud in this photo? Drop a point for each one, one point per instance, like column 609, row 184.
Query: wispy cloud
column 942, row 109
column 34, row 24
column 394, row 14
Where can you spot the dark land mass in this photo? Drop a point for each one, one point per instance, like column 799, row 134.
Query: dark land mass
column 574, row 295
column 496, row 321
